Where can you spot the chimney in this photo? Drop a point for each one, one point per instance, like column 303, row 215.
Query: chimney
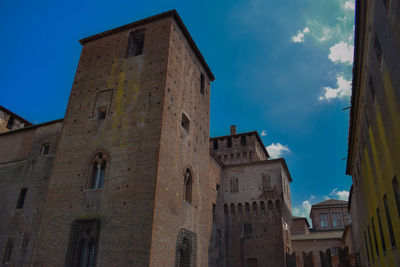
column 233, row 129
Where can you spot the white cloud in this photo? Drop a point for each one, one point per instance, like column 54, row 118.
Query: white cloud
column 343, row 89
column 276, row 150
column 350, row 4
column 342, row 195
column 299, row 38
column 264, row 133
column 341, row 52
column 304, row 209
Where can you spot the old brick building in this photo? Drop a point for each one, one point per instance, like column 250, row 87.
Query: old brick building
column 130, row 176
column 322, row 245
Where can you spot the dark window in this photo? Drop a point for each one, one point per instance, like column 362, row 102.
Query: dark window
column 372, row 89
column 386, row 4
column 378, row 49
column 83, row 243
column 185, row 249
column 8, row 251
column 97, row 172
column 21, row 198
column 389, row 222
column 278, row 205
column 262, row 204
column 202, row 83
column 366, row 246
column 229, row 142
column 185, row 122
column 243, row 140
column 255, row 209
column 215, row 145
column 376, row 240
column 234, row 185
column 370, row 244
column 45, row 149
column 101, row 113
column 10, row 122
column 188, row 186
column 247, row 229
column 252, row 262
column 247, row 208
column 396, row 191
column 135, row 44
column 381, row 231
column 214, row 211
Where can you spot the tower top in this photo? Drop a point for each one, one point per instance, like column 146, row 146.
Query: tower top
column 172, row 13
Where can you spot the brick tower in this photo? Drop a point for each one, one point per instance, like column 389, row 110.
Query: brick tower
column 129, row 182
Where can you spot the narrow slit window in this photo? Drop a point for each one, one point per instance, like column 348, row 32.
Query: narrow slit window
column 381, row 231
column 135, row 43
column 389, row 221
column 185, row 122
column 202, row 83
column 21, row 198
column 101, row 113
column 378, row 49
column 188, row 180
column 97, row 172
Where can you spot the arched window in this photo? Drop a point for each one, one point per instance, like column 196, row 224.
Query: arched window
column 247, row 207
column 262, row 204
column 226, row 210
column 188, row 181
column 185, row 249
column 255, row 211
column 233, row 211
column 97, row 172
column 240, row 210
column 270, row 207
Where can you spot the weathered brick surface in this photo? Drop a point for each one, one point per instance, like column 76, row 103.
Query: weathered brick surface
column 23, row 166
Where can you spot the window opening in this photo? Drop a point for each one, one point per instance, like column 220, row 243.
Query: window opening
column 396, row 191
column 376, row 240
column 324, row 220
column 252, row 262
column 135, row 43
column 188, row 186
column 381, row 231
column 229, row 142
column 101, row 113
column 378, row 49
column 247, row 229
column 370, row 244
column 83, row 244
column 366, row 246
column 215, row 146
column 389, row 222
column 336, row 220
column 185, row 122
column 10, row 122
column 21, row 198
column 97, row 173
column 45, row 149
column 202, row 83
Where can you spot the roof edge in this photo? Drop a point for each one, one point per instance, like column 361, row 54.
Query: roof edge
column 171, row 13
column 16, row 115
column 31, row 127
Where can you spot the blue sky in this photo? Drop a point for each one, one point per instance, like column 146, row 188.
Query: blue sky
column 281, row 67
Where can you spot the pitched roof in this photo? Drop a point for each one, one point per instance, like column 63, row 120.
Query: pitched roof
column 331, row 202
column 15, row 115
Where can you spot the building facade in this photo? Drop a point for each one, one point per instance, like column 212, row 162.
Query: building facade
column 130, row 176
column 374, row 135
column 322, row 245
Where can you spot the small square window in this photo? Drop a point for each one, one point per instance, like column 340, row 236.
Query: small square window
column 185, row 122
column 101, row 113
column 135, row 43
column 45, row 149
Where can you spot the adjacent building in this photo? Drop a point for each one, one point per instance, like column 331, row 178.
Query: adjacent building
column 322, row 245
column 374, row 135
